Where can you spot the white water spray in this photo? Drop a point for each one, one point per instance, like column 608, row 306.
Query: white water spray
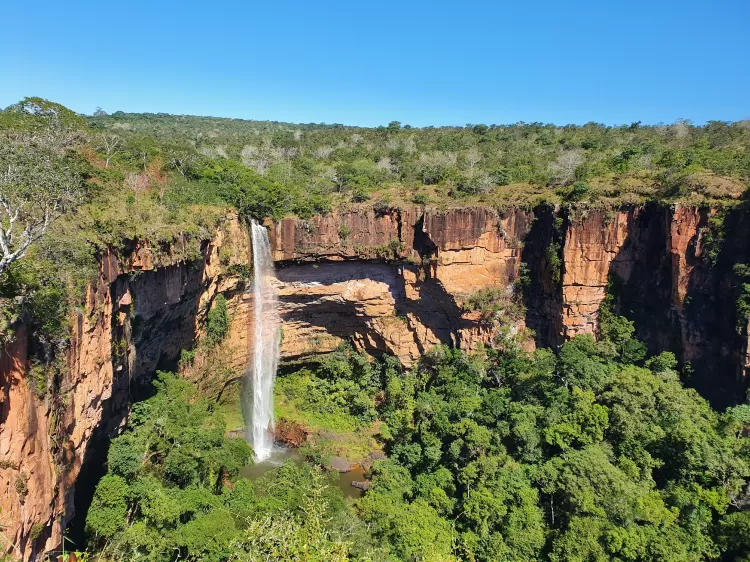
column 262, row 372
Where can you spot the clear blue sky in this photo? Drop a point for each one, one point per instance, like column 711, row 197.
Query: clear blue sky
column 367, row 63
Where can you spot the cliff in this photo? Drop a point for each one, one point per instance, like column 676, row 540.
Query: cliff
column 398, row 281
column 395, row 282
column 138, row 316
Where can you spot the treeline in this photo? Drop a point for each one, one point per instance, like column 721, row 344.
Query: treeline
column 626, row 163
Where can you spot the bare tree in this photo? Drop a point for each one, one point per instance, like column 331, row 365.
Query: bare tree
column 410, row 145
column 385, row 165
column 681, row 128
column 256, row 157
column 110, row 144
column 563, row 169
column 182, row 160
column 283, row 153
column 322, row 152
column 37, row 185
column 473, row 157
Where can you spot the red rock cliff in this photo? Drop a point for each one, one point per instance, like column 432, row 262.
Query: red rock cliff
column 392, row 282
column 137, row 317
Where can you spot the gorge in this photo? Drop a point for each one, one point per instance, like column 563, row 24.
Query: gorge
column 394, row 281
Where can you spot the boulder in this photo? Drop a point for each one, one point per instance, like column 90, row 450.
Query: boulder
column 340, row 464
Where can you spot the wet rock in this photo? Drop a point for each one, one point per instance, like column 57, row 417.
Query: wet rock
column 340, row 464
column 361, row 485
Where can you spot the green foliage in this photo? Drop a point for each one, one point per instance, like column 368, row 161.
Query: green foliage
column 471, row 161
column 580, row 457
column 341, row 393
column 282, row 536
column 502, row 455
column 217, row 321
column 172, row 487
column 496, row 303
column 167, row 472
column 37, row 113
column 22, row 485
column 618, row 330
column 420, row 199
column 259, row 196
column 36, row 530
column 554, row 261
column 742, row 274
column 344, row 232
column 579, row 192
column 713, row 238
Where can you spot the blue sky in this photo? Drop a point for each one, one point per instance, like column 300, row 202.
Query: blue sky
column 368, row 63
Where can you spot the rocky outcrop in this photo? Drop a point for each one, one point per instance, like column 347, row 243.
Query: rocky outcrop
column 392, row 283
column 592, row 250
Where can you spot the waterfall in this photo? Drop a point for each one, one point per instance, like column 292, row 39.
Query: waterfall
column 262, row 372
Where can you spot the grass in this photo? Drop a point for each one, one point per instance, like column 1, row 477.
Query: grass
column 334, row 430
column 231, row 411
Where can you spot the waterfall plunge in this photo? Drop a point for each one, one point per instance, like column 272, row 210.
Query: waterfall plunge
column 262, row 372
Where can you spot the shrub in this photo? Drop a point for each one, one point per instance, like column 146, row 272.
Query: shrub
column 217, row 321
column 420, row 199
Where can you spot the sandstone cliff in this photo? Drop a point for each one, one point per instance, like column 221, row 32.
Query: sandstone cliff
column 137, row 317
column 397, row 281
column 393, row 282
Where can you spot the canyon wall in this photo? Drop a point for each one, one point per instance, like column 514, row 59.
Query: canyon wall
column 141, row 312
column 398, row 281
column 394, row 282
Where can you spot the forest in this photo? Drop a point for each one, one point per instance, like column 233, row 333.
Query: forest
column 594, row 451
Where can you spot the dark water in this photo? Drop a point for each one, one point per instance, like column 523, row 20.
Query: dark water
column 279, row 455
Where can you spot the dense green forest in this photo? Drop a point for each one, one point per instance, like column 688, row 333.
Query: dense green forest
column 592, row 452
column 504, row 164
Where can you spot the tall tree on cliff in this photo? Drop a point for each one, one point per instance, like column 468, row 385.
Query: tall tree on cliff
column 38, row 179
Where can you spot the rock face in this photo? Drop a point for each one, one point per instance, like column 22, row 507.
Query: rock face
column 393, row 282
column 137, row 318
column 396, row 282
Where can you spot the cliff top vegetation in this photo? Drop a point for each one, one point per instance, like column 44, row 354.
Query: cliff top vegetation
column 518, row 164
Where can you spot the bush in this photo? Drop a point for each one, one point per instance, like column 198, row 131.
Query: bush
column 420, row 199
column 579, row 192
column 217, row 321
